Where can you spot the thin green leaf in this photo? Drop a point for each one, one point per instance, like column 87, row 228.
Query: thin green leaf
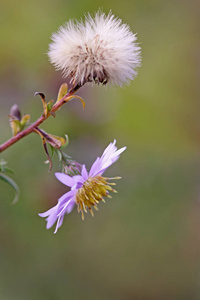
column 62, row 91
column 52, row 150
column 13, row 184
column 58, row 152
column 50, row 105
column 65, row 155
column 6, row 169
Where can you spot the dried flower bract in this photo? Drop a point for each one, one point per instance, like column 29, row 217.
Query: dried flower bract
column 100, row 50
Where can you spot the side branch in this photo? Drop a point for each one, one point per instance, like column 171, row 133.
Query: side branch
column 38, row 122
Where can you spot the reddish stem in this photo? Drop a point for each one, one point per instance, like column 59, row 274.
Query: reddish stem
column 39, row 121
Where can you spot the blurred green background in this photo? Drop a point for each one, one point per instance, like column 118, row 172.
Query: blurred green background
column 144, row 243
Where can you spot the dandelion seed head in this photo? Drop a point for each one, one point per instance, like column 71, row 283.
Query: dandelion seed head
column 100, row 49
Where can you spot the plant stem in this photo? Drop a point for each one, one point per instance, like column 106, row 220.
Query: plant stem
column 39, row 121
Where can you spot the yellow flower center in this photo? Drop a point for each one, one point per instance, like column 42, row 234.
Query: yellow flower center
column 92, row 192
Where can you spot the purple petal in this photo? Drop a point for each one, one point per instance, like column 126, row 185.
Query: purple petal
column 70, row 206
column 107, row 159
column 115, row 155
column 64, row 206
column 112, row 159
column 51, row 220
column 48, row 212
column 65, row 179
column 78, row 181
column 108, row 155
column 109, row 148
column 53, row 213
column 52, row 216
column 95, row 166
column 66, row 197
column 84, row 173
column 61, row 210
column 59, row 223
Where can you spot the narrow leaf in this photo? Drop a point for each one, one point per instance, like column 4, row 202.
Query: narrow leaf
column 24, row 120
column 15, row 125
column 76, row 97
column 43, row 102
column 49, row 105
column 62, row 91
column 6, row 169
column 52, row 150
column 13, row 184
column 48, row 156
column 66, row 156
column 58, row 152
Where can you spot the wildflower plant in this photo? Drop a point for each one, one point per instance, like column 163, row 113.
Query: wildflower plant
column 99, row 50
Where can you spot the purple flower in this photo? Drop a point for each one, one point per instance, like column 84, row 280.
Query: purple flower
column 87, row 189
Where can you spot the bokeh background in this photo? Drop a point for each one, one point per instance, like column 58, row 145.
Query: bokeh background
column 144, row 243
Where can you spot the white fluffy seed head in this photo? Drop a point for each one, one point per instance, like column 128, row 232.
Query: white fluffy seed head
column 100, row 49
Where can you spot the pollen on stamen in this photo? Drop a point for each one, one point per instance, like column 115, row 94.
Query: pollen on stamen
column 92, row 192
